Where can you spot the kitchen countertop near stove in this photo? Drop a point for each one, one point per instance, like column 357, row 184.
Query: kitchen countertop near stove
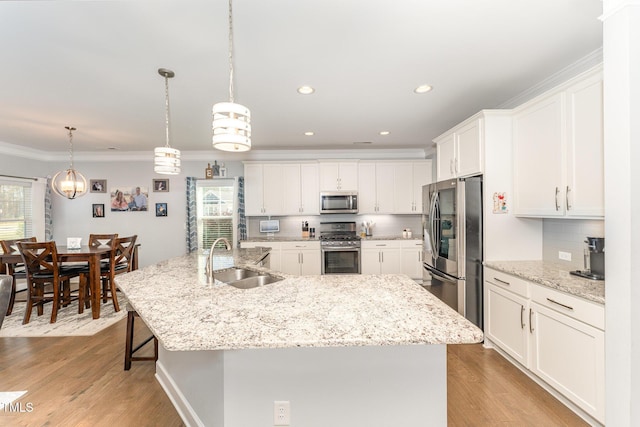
column 553, row 275
column 186, row 314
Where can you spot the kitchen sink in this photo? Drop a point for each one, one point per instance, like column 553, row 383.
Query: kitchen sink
column 233, row 274
column 244, row 279
column 254, row 281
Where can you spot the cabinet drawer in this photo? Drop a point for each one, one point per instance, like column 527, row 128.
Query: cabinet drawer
column 580, row 309
column 381, row 244
column 300, row 245
column 507, row 281
column 411, row 243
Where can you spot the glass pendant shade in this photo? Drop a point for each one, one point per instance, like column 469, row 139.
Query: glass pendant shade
column 166, row 161
column 69, row 183
column 231, row 127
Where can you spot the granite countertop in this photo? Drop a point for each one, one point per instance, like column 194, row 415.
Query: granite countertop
column 186, row 314
column 552, row 275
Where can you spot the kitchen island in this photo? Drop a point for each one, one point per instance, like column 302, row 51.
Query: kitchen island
column 343, row 350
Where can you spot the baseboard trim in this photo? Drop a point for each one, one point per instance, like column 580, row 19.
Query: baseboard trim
column 186, row 412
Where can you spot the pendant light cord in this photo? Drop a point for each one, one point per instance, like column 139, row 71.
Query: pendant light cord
column 166, row 98
column 70, row 129
column 231, row 98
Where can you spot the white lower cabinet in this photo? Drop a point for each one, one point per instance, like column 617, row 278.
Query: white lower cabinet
column 412, row 258
column 556, row 336
column 301, row 258
column 274, row 254
column 381, row 257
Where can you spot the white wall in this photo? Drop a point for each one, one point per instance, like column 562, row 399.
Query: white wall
column 160, row 237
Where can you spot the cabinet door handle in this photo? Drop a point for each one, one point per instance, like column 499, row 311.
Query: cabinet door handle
column 301, row 258
column 451, row 165
column 504, row 282
column 522, row 317
column 557, row 205
column 566, row 196
column 530, row 322
column 568, row 307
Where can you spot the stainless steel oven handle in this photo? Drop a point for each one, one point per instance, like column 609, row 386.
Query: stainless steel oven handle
column 340, row 248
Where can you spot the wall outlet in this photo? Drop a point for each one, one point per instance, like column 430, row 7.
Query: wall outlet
column 281, row 413
column 564, row 255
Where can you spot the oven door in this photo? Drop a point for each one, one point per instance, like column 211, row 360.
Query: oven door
column 342, row 260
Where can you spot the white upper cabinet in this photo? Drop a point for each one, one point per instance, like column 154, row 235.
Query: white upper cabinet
column 459, row 151
column 263, row 195
column 392, row 187
column 300, row 189
column 409, row 179
column 558, row 151
column 339, row 176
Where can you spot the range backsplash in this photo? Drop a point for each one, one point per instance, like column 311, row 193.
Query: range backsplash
column 568, row 235
column 385, row 225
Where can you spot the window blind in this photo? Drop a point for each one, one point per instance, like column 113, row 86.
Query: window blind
column 16, row 216
column 216, row 210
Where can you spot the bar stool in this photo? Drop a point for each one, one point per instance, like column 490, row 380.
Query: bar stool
column 129, row 349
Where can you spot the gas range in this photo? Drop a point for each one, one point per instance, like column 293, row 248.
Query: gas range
column 339, row 235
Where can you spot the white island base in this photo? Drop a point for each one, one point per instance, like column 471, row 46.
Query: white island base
column 326, row 386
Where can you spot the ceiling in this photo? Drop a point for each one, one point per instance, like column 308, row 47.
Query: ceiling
column 93, row 65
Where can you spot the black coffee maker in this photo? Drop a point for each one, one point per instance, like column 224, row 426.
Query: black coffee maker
column 593, row 259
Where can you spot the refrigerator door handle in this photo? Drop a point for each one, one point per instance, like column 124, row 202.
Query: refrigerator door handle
column 432, row 212
column 439, row 274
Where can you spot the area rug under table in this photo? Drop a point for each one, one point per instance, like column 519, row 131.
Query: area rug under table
column 69, row 322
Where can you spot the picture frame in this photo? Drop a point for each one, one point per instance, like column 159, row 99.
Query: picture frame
column 98, row 185
column 98, row 210
column 129, row 199
column 160, row 185
column 161, row 209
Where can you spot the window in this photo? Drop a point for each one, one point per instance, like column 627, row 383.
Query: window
column 216, row 211
column 16, row 219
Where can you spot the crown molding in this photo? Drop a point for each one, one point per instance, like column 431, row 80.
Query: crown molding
column 583, row 64
column 147, row 156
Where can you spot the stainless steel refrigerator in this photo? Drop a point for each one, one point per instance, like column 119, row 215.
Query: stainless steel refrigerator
column 452, row 246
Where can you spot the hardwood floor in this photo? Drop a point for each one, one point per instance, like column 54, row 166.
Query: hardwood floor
column 80, row 381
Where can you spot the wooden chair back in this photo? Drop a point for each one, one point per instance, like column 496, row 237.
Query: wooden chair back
column 97, row 240
column 124, row 252
column 10, row 245
column 40, row 259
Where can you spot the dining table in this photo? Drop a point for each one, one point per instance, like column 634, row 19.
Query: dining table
column 89, row 254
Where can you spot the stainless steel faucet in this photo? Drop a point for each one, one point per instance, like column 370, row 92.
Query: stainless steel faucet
column 208, row 269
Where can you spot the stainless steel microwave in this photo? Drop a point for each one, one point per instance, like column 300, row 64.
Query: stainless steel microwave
column 332, row 202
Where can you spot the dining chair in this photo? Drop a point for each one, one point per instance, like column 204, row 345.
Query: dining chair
column 5, row 295
column 15, row 270
column 43, row 268
column 106, row 270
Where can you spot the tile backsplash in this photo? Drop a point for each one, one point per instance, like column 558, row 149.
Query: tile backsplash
column 385, row 225
column 568, row 235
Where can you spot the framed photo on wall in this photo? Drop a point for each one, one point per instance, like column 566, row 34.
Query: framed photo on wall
column 98, row 210
column 98, row 185
column 161, row 209
column 160, row 185
column 125, row 198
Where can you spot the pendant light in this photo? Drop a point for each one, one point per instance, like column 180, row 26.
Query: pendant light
column 231, row 121
column 166, row 159
column 70, row 183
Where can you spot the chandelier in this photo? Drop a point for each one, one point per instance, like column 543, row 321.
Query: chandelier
column 231, row 121
column 69, row 183
column 166, row 159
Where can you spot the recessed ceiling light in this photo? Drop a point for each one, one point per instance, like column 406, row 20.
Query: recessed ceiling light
column 423, row 89
column 306, row 90
column 309, row 133
column 384, row 132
